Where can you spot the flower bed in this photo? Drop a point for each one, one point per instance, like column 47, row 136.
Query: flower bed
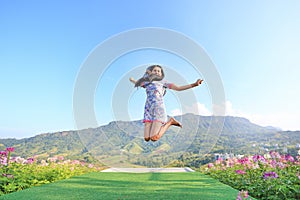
column 17, row 173
column 269, row 176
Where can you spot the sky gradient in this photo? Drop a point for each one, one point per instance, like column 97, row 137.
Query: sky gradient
column 255, row 46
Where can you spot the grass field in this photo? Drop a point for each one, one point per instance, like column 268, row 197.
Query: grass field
column 130, row 186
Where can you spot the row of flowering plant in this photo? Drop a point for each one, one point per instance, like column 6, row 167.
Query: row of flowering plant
column 18, row 173
column 269, row 176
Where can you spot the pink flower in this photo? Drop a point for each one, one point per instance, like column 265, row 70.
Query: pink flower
column 8, row 176
column 61, row 158
column 10, row 149
column 3, row 153
column 30, row 160
column 52, row 159
column 76, row 162
column 44, row 163
column 219, row 161
column 240, row 171
column 3, row 161
column 90, row 166
column 242, row 195
column 17, row 159
column 230, row 163
column 244, row 161
column 210, row 165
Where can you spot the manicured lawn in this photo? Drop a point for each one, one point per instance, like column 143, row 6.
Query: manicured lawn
column 113, row 185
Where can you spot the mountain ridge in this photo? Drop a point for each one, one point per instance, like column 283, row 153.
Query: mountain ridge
column 122, row 141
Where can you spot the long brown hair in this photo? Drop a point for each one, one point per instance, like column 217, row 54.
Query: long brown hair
column 150, row 77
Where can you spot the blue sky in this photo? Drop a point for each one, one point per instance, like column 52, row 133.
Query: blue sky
column 255, row 46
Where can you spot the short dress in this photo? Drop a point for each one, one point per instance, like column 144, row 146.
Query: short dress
column 155, row 110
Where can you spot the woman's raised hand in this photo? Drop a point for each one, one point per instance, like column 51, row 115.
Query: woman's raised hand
column 132, row 80
column 198, row 82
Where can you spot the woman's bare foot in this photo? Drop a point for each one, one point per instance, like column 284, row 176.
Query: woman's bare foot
column 155, row 138
column 164, row 128
column 174, row 122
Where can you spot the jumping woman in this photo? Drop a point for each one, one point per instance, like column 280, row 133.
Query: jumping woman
column 155, row 117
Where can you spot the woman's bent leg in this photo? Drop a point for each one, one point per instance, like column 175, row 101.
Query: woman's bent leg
column 155, row 128
column 147, row 128
column 158, row 130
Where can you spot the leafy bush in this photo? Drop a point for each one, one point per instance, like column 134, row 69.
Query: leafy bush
column 269, row 176
column 17, row 173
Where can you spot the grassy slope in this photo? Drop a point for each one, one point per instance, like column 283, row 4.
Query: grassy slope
column 130, row 186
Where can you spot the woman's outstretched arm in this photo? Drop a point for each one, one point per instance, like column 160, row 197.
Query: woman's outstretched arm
column 185, row 87
column 132, row 80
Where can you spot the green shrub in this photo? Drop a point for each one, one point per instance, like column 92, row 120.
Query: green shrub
column 17, row 173
column 270, row 176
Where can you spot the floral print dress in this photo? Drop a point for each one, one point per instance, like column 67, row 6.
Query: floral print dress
column 155, row 110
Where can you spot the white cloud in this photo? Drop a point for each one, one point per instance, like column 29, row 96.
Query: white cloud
column 176, row 112
column 201, row 109
column 197, row 108
column 232, row 112
column 285, row 121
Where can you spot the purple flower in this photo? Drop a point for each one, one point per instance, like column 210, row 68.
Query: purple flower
column 273, row 163
column 274, row 154
column 270, row 175
column 260, row 158
column 289, row 158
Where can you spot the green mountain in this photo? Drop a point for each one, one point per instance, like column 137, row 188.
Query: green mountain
column 120, row 143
